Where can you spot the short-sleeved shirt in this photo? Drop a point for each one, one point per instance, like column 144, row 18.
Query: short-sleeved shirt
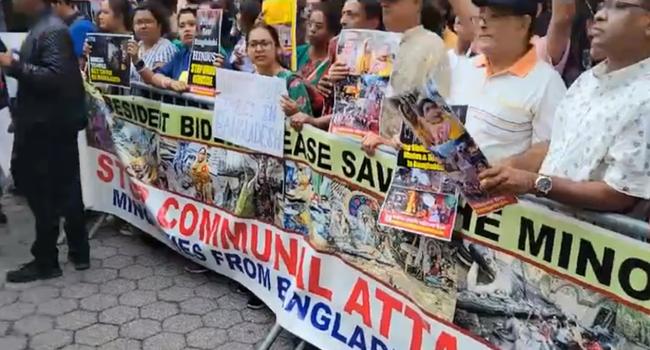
column 541, row 46
column 421, row 56
column 159, row 55
column 602, row 130
column 179, row 65
column 507, row 111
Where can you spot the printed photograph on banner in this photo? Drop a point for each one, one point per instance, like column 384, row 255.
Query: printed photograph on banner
column 109, row 61
column 244, row 184
column 515, row 305
column 282, row 15
column 422, row 202
column 100, row 121
column 253, row 120
column 439, row 131
column 358, row 98
column 206, row 47
column 343, row 221
column 137, row 148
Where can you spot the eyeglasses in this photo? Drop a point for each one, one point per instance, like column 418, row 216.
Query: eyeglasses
column 485, row 20
column 619, row 5
column 261, row 44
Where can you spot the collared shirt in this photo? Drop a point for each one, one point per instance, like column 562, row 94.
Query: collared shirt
column 602, row 130
column 507, row 111
column 421, row 56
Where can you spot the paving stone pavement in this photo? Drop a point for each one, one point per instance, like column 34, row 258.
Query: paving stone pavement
column 135, row 296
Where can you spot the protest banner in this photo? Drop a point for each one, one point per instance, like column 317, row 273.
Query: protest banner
column 369, row 54
column 300, row 232
column 254, row 120
column 205, row 50
column 282, row 15
column 109, row 62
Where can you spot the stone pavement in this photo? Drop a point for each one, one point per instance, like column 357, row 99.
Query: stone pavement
column 135, row 296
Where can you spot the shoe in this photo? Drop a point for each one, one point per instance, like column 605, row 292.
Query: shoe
column 127, row 230
column 242, row 290
column 195, row 268
column 3, row 218
column 255, row 303
column 33, row 272
column 79, row 264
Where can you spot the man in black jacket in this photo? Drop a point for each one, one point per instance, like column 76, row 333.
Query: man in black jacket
column 48, row 116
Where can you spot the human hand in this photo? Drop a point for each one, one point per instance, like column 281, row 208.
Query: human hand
column 325, row 87
column 6, row 59
column 338, row 71
column 370, row 143
column 289, row 106
column 132, row 49
column 506, row 180
column 298, row 120
column 178, row 86
column 88, row 48
column 218, row 61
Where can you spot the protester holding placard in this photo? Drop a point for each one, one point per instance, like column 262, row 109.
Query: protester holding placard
column 323, row 25
column 511, row 93
column 598, row 157
column 115, row 17
column 421, row 56
column 49, row 114
column 174, row 74
column 153, row 50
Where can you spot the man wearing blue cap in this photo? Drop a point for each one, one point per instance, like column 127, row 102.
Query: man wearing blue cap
column 510, row 93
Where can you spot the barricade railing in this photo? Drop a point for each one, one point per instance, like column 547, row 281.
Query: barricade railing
column 616, row 222
column 621, row 224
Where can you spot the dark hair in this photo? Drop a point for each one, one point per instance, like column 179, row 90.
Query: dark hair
column 249, row 10
column 372, row 8
column 158, row 12
column 431, row 17
column 186, row 10
column 332, row 13
column 123, row 8
column 274, row 36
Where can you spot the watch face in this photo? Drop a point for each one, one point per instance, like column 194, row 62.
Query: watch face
column 544, row 184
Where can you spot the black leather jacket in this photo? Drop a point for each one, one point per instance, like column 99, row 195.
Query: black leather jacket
column 50, row 87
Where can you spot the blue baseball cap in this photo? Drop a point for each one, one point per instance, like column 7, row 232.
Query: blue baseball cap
column 520, row 7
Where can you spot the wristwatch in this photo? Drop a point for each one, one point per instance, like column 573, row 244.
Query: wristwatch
column 140, row 65
column 543, row 185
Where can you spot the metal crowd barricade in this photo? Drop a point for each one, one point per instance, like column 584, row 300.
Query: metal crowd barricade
column 622, row 224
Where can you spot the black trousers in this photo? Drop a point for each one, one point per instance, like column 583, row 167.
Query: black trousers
column 45, row 167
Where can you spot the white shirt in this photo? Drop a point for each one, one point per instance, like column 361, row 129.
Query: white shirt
column 507, row 111
column 602, row 130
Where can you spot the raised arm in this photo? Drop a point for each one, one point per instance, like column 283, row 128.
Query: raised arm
column 558, row 35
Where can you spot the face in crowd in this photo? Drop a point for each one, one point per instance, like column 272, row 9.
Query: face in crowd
column 499, row 30
column 317, row 31
column 262, row 47
column 186, row 27
column 146, row 26
column 354, row 16
column 398, row 13
column 620, row 28
column 109, row 20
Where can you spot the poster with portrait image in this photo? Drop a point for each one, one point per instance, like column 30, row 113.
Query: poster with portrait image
column 442, row 134
column 109, row 62
column 369, row 54
column 206, row 46
column 422, row 202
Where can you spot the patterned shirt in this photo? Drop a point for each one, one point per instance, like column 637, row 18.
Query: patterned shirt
column 157, row 56
column 421, row 56
column 602, row 130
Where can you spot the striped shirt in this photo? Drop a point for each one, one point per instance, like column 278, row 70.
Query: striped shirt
column 157, row 56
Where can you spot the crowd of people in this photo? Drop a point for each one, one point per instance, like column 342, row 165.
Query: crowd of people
column 556, row 90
